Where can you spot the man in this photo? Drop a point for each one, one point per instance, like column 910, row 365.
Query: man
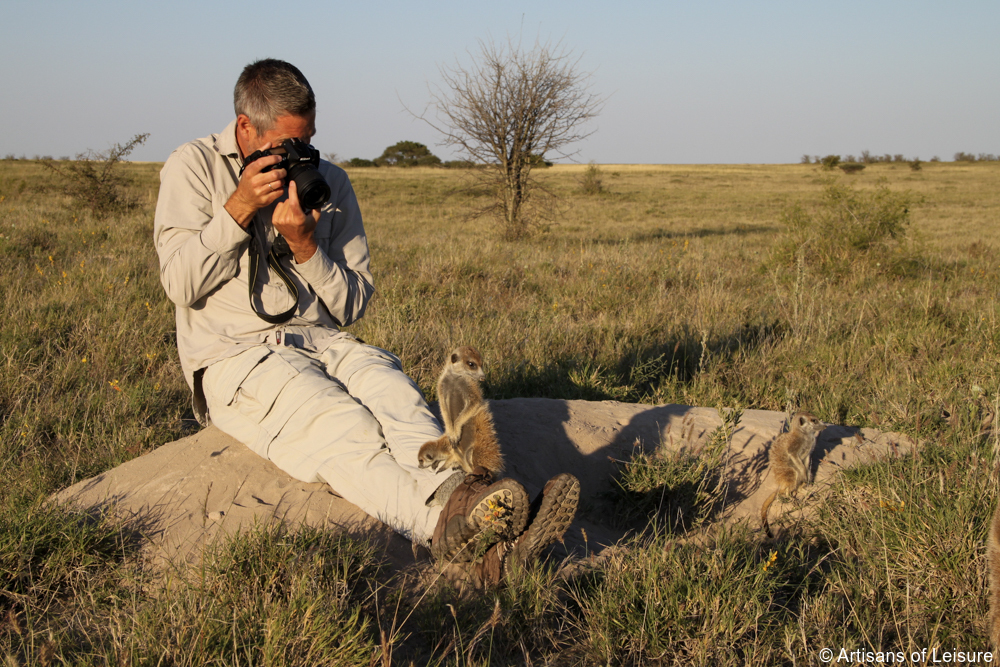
column 314, row 400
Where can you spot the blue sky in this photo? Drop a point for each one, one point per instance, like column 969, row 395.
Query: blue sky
column 686, row 82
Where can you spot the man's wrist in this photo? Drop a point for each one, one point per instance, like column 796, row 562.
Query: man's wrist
column 241, row 212
column 303, row 251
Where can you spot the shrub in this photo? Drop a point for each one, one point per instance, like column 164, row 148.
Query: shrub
column 95, row 180
column 360, row 162
column 849, row 227
column 830, row 162
column 851, row 167
column 591, row 183
column 539, row 161
column 915, row 164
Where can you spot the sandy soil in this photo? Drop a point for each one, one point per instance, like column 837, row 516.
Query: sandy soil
column 192, row 493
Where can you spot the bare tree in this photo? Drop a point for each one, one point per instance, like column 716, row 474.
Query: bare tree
column 507, row 111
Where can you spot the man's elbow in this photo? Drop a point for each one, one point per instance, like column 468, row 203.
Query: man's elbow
column 183, row 296
column 358, row 302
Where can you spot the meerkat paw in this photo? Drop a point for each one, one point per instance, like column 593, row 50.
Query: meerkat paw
column 435, row 454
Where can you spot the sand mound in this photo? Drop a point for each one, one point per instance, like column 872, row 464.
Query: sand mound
column 194, row 492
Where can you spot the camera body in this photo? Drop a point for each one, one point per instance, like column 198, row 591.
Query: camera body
column 301, row 161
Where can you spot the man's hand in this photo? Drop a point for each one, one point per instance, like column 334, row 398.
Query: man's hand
column 297, row 227
column 256, row 190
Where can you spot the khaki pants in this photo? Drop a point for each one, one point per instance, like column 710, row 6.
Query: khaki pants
column 344, row 414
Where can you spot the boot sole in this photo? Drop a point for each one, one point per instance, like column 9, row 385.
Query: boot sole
column 555, row 514
column 499, row 515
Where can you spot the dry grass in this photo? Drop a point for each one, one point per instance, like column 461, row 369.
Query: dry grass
column 665, row 287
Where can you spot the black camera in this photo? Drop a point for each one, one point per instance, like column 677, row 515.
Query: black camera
column 300, row 160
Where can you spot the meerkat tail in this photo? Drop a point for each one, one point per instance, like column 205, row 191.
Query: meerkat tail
column 478, row 445
column 763, row 513
column 486, row 448
column 993, row 565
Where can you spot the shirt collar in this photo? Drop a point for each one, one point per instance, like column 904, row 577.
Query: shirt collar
column 225, row 142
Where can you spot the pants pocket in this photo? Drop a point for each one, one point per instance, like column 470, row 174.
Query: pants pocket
column 251, row 384
column 223, row 378
column 256, row 396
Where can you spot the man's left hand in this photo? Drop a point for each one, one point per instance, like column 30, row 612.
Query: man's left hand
column 297, row 227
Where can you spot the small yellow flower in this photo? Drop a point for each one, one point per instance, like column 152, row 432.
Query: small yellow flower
column 84, row 360
column 770, row 560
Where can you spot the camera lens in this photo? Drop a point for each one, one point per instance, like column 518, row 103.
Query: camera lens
column 312, row 187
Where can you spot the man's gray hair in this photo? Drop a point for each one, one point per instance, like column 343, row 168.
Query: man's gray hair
column 270, row 88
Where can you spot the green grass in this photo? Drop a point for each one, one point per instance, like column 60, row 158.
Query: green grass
column 699, row 285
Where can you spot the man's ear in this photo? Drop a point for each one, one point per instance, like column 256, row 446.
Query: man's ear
column 246, row 134
column 243, row 123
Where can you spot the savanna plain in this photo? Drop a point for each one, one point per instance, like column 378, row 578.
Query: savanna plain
column 869, row 299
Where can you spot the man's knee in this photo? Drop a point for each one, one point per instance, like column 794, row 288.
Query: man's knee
column 347, row 361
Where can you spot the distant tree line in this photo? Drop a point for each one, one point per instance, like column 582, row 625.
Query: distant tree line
column 415, row 154
column 866, row 157
column 36, row 158
column 982, row 157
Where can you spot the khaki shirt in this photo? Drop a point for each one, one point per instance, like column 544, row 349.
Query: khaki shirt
column 204, row 260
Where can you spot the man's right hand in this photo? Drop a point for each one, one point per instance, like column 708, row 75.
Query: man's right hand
column 256, row 190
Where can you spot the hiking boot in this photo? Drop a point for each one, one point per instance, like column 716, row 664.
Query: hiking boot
column 478, row 514
column 551, row 514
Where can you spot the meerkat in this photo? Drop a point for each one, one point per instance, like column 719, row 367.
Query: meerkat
column 993, row 565
column 469, row 438
column 459, row 395
column 790, row 458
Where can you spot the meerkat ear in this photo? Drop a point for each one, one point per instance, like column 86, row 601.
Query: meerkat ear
column 803, row 420
column 454, row 357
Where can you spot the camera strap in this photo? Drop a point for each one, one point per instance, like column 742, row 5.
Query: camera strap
column 278, row 250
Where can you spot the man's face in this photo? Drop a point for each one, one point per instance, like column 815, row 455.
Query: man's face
column 285, row 127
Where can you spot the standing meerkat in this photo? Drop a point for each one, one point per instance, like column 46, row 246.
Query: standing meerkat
column 469, row 438
column 790, row 459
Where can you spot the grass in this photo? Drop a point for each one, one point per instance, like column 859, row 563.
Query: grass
column 702, row 285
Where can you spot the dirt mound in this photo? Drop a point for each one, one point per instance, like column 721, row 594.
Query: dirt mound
column 194, row 492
